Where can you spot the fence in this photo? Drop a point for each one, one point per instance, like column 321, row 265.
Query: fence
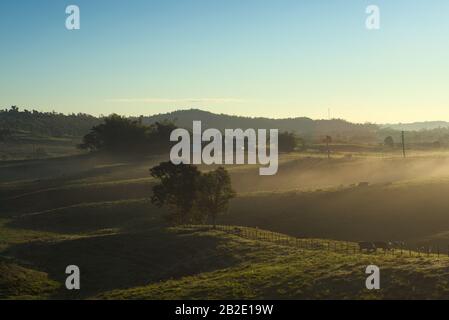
column 327, row 245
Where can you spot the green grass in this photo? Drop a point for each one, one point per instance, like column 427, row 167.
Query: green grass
column 95, row 213
column 17, row 282
column 272, row 271
column 12, row 236
column 26, row 145
column 202, row 263
column 127, row 260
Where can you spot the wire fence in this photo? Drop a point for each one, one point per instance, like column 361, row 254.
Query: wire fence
column 346, row 247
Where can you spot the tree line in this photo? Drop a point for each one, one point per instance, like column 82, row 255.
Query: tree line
column 121, row 134
column 301, row 130
column 46, row 123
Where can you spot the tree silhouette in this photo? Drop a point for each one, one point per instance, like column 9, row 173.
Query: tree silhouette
column 328, row 140
column 215, row 191
column 116, row 133
column 389, row 142
column 177, row 190
column 189, row 195
column 120, row 134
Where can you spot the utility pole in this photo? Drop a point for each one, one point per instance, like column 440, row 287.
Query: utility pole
column 403, row 143
column 328, row 140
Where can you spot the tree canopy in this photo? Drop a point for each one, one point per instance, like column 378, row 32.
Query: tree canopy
column 287, row 141
column 389, row 142
column 118, row 133
column 215, row 192
column 189, row 195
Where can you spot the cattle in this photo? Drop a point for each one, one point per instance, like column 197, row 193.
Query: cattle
column 382, row 245
column 368, row 246
column 385, row 246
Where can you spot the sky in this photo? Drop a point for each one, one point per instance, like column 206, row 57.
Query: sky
column 272, row 58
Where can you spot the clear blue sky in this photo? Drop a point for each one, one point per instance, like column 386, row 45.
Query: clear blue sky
column 275, row 58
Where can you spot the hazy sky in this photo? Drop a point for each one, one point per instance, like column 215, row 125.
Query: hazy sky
column 275, row 58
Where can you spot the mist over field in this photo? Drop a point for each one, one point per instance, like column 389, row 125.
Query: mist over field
column 96, row 208
column 224, row 150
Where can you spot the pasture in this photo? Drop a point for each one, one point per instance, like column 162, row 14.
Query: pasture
column 94, row 211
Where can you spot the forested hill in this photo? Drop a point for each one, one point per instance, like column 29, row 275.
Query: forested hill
column 77, row 125
column 57, row 124
column 46, row 123
column 302, row 126
column 417, row 126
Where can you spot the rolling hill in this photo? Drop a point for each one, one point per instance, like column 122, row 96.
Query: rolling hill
column 94, row 212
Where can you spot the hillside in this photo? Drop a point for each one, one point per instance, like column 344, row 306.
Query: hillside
column 32, row 134
column 76, row 125
column 305, row 127
column 94, row 211
column 265, row 270
column 417, row 126
column 46, row 123
column 200, row 263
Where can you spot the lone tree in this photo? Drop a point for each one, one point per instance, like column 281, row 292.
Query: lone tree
column 215, row 193
column 389, row 142
column 189, row 195
column 177, row 190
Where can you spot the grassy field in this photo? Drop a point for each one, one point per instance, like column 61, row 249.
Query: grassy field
column 24, row 145
column 94, row 211
column 263, row 270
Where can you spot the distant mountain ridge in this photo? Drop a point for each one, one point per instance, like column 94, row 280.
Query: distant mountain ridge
column 57, row 124
column 300, row 125
column 417, row 126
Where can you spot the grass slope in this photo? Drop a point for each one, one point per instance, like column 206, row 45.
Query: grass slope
column 98, row 217
column 272, row 271
column 17, row 282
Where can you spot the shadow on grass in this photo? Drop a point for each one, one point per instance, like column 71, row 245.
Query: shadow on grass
column 87, row 218
column 125, row 260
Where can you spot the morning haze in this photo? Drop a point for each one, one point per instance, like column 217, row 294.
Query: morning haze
column 94, row 203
